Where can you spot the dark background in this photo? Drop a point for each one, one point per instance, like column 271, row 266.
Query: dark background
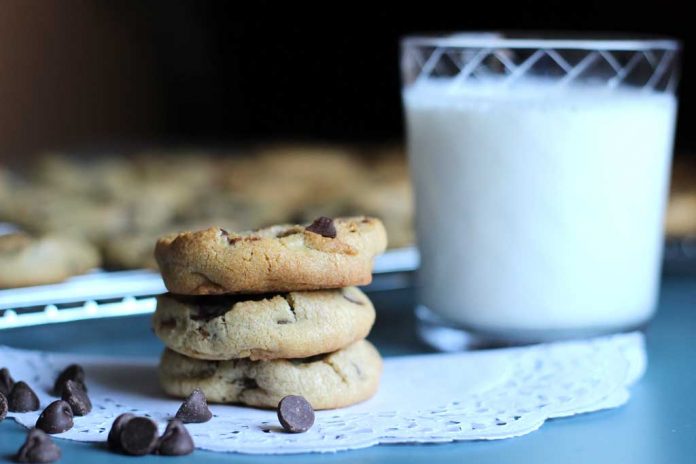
column 93, row 74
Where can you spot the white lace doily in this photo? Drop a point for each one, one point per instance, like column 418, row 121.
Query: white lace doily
column 481, row 395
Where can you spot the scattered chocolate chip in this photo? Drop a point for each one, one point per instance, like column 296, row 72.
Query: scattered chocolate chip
column 22, row 398
column 295, row 414
column 114, row 438
column 38, row 447
column 73, row 372
column 194, row 409
column 139, row 436
column 223, row 232
column 77, row 398
column 56, row 418
column 323, row 226
column 6, row 381
column 176, row 440
column 3, row 407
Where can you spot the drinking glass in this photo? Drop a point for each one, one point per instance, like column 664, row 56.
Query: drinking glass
column 540, row 167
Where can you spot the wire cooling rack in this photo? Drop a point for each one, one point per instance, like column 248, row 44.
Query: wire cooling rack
column 113, row 294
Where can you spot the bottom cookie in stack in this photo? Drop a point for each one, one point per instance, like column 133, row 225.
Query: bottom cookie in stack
column 327, row 381
column 256, row 349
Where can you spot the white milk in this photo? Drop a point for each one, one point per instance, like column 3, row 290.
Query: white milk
column 539, row 212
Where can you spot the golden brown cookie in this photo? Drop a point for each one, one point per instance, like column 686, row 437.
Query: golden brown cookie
column 334, row 380
column 287, row 325
column 276, row 259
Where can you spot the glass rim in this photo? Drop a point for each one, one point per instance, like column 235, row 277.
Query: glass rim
column 541, row 40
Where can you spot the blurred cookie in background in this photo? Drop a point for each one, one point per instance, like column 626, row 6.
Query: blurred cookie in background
column 246, row 211
column 41, row 209
column 27, row 260
column 295, row 174
column 121, row 204
column 98, row 176
column 135, row 249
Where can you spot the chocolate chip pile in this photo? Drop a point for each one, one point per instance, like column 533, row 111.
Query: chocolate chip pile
column 57, row 417
column 129, row 434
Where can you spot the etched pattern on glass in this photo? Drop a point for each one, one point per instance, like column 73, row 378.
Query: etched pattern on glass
column 650, row 69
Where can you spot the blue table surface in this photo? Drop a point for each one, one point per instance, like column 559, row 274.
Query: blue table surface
column 657, row 425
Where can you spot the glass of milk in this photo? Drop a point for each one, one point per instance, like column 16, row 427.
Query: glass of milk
column 541, row 174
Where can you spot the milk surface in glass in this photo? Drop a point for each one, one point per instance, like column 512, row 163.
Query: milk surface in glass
column 539, row 210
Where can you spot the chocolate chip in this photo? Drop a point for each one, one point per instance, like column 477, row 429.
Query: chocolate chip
column 56, row 418
column 224, row 233
column 323, row 226
column 22, row 398
column 3, row 407
column 73, row 372
column 6, row 381
column 139, row 436
column 206, row 308
column 77, row 398
column 114, row 438
column 176, row 440
column 295, row 414
column 194, row 409
column 38, row 447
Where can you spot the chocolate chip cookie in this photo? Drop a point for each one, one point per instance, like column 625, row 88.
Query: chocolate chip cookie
column 334, row 380
column 26, row 260
column 287, row 325
column 275, row 259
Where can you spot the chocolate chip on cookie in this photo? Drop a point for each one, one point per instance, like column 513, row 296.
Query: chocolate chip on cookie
column 3, row 407
column 194, row 409
column 38, row 447
column 56, row 418
column 139, row 436
column 295, row 414
column 323, row 226
column 176, row 440
column 77, row 398
column 210, row 307
column 73, row 372
column 22, row 398
column 6, row 381
column 114, row 439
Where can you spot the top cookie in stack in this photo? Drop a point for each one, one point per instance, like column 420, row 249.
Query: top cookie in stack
column 326, row 254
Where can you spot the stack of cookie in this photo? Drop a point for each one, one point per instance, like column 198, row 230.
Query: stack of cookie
column 255, row 316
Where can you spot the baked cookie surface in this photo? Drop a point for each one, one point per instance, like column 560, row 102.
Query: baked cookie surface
column 287, row 325
column 26, row 260
column 334, row 380
column 275, row 259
